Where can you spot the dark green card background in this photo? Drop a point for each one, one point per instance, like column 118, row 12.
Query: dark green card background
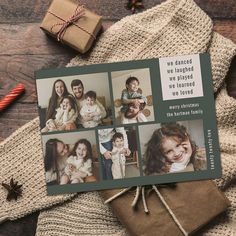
column 206, row 102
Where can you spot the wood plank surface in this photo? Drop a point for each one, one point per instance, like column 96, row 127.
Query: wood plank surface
column 27, row 11
column 25, row 48
column 29, row 39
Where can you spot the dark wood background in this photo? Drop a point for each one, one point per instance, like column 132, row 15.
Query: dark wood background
column 24, row 48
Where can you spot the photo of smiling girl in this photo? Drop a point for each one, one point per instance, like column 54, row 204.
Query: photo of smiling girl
column 171, row 149
column 65, row 117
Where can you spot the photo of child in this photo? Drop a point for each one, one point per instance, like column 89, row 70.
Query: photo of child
column 66, row 115
column 70, row 158
column 132, row 94
column 90, row 111
column 170, row 148
column 119, row 154
column 71, row 103
column 130, row 91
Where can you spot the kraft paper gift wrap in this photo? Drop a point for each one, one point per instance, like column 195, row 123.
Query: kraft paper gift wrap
column 193, row 203
column 78, row 35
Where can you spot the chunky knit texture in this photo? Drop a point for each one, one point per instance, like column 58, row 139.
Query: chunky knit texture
column 86, row 215
column 21, row 158
column 176, row 27
column 172, row 28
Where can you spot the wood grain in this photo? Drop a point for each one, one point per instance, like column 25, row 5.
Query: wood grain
column 28, row 49
column 29, row 39
column 20, row 68
column 25, row 226
column 25, row 48
column 15, row 116
column 28, row 11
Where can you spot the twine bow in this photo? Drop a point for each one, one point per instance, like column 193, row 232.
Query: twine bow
column 79, row 13
column 140, row 190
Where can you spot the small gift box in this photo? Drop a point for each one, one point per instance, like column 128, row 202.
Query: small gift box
column 172, row 211
column 72, row 24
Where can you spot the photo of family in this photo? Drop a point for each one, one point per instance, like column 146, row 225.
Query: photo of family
column 119, row 153
column 70, row 158
column 70, row 103
column 132, row 96
column 173, row 147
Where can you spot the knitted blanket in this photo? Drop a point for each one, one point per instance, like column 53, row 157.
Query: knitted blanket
column 176, row 27
column 172, row 28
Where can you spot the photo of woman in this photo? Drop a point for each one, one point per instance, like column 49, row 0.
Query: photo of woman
column 70, row 158
column 72, row 102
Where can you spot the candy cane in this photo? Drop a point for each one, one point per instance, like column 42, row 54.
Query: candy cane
column 11, row 96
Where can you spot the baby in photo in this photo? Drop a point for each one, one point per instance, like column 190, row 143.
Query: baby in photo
column 90, row 112
column 132, row 94
column 118, row 158
column 79, row 164
column 65, row 117
column 133, row 102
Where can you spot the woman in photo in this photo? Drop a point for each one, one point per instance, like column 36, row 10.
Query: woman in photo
column 56, row 155
column 59, row 90
column 171, row 149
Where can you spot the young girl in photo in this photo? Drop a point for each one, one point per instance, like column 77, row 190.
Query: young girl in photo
column 79, row 164
column 65, row 117
column 171, row 149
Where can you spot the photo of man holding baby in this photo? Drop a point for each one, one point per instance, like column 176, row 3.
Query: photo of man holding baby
column 132, row 96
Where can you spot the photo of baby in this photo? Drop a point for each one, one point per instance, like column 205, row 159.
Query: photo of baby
column 132, row 96
column 119, row 154
column 71, row 103
column 90, row 111
column 173, row 147
column 70, row 158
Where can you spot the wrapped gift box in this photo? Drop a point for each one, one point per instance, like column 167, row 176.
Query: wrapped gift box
column 72, row 25
column 193, row 204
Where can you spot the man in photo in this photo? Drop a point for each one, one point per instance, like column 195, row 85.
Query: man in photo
column 134, row 114
column 106, row 146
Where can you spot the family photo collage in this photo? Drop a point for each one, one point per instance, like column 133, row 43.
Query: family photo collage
column 101, row 129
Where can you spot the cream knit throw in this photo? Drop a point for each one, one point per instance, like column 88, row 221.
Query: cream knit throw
column 21, row 158
column 173, row 28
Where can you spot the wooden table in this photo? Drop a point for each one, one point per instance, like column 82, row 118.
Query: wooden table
column 25, row 48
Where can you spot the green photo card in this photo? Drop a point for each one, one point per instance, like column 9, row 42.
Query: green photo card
column 128, row 123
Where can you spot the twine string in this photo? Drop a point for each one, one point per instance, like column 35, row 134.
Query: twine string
column 170, row 211
column 136, row 197
column 141, row 190
column 117, row 195
column 144, row 200
column 79, row 13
